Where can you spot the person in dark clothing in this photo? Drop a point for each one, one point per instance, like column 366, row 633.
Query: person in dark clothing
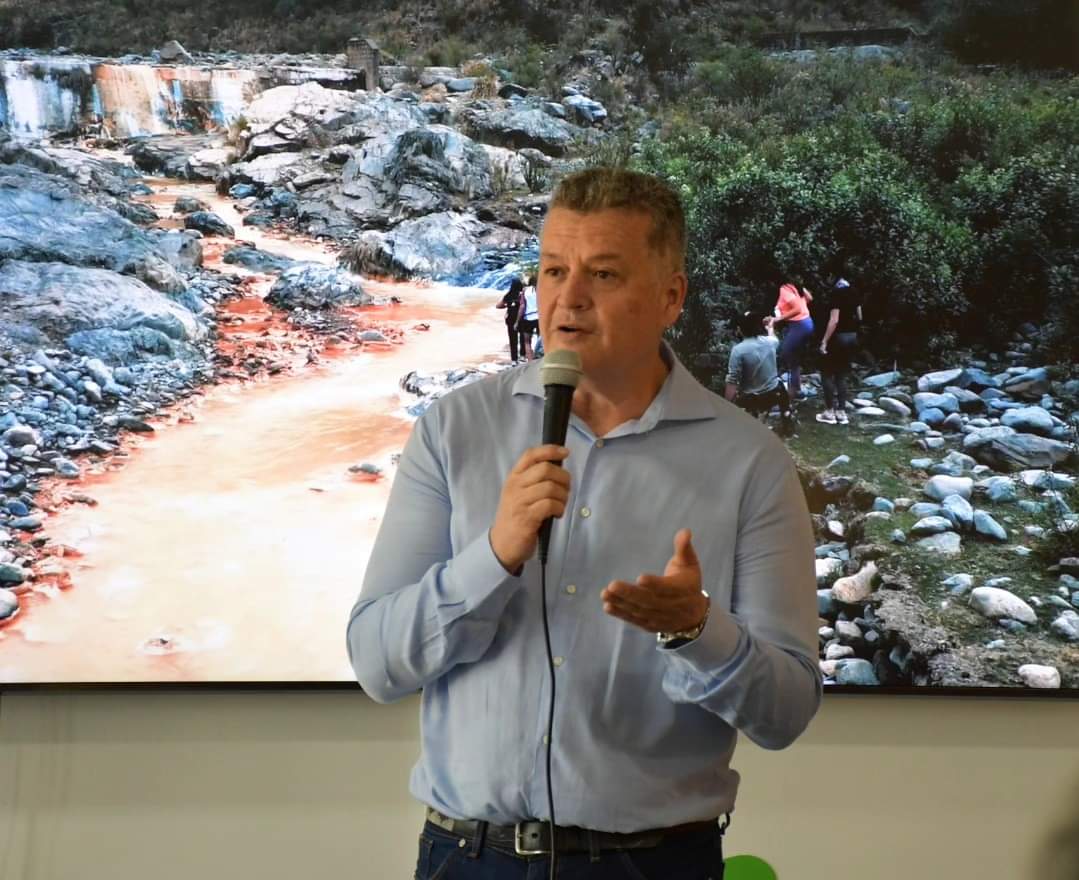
column 837, row 348
column 511, row 302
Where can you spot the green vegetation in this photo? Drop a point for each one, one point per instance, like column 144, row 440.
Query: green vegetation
column 950, row 197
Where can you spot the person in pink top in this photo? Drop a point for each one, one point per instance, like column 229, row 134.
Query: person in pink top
column 792, row 307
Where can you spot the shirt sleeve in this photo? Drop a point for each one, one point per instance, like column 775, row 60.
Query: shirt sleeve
column 734, row 368
column 755, row 666
column 423, row 609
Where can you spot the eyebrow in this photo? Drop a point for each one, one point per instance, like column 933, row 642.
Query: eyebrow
column 592, row 259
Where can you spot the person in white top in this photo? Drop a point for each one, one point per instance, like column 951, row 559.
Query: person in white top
column 528, row 318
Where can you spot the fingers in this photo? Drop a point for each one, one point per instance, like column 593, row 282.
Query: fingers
column 684, row 553
column 538, row 454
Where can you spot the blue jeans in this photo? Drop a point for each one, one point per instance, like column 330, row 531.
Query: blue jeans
column 692, row 856
column 795, row 340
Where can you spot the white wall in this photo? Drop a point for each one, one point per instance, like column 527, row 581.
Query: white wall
column 164, row 786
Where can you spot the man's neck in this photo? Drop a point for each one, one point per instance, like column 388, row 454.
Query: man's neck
column 604, row 403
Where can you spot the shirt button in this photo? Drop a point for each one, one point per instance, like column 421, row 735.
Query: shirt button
column 599, row 443
column 586, row 512
column 558, row 661
column 545, row 739
column 571, row 589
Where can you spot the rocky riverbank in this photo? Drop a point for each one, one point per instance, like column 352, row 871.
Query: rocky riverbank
column 947, row 530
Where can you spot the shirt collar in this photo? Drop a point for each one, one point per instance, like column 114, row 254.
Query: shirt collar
column 680, row 398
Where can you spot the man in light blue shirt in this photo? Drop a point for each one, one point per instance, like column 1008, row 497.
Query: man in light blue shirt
column 654, row 678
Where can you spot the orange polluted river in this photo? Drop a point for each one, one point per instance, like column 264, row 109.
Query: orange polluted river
column 231, row 544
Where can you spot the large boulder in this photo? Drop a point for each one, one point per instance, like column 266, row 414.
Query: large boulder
column 1028, row 419
column 518, row 127
column 252, row 258
column 1005, row 449
column 437, row 246
column 1030, row 385
column 316, row 286
column 171, row 154
column 274, row 169
column 46, row 219
column 182, row 248
column 998, row 604
column 941, row 486
column 934, row 382
column 946, row 403
column 54, row 301
column 209, row 223
column 405, row 175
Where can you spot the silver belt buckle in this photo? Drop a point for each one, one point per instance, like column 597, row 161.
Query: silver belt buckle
column 519, row 849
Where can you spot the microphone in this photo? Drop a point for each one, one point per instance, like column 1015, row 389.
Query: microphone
column 560, row 372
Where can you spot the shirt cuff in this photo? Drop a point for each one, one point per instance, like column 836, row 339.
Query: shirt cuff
column 718, row 642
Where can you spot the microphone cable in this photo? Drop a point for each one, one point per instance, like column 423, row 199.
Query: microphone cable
column 550, row 706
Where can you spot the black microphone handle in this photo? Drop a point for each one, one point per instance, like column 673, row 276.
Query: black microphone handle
column 557, row 404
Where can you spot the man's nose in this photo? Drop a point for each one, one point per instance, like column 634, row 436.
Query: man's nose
column 577, row 291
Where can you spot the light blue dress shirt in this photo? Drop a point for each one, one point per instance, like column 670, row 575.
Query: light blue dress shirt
column 643, row 735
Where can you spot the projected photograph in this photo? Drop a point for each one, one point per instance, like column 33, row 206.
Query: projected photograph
column 244, row 246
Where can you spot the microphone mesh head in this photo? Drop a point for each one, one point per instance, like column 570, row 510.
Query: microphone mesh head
column 561, row 367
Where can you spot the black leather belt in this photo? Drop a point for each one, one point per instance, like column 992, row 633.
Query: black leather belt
column 532, row 837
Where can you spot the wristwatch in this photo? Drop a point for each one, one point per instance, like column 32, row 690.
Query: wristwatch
column 677, row 639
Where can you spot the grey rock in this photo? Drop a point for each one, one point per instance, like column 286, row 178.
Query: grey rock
column 959, row 511
column 958, row 584
column 883, row 504
column 931, row 525
column 940, row 487
column 316, row 286
column 1001, row 490
column 945, row 544
column 1067, row 626
column 1037, row 676
column 924, row 508
column 9, row 604
column 883, row 440
column 946, row 403
column 881, row 380
column 985, row 525
column 933, row 416
column 585, row 110
column 997, row 604
column 1003, row 449
column 257, row 260
column 890, row 404
column 856, row 672
column 1028, row 385
column 1028, row 419
column 523, row 127
column 934, row 382
column 11, row 575
column 209, row 223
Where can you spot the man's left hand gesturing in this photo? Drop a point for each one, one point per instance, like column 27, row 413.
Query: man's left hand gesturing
column 671, row 602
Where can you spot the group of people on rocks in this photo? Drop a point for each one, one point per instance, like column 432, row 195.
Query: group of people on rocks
column 753, row 378
column 753, row 374
column 522, row 319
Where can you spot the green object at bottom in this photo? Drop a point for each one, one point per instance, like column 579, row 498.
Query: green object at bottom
column 748, row 868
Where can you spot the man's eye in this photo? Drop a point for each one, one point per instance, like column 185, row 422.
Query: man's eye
column 604, row 274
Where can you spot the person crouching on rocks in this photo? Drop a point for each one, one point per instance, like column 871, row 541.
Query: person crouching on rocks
column 753, row 381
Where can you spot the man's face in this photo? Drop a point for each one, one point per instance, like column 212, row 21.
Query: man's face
column 604, row 291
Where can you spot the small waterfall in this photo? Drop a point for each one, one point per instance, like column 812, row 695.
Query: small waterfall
column 54, row 95
column 39, row 97
column 133, row 100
